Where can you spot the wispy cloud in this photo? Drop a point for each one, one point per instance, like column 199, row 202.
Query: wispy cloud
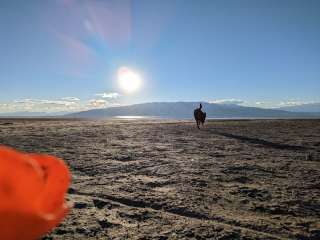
column 73, row 99
column 260, row 103
column 228, row 101
column 43, row 105
column 279, row 104
column 4, row 106
column 97, row 103
column 294, row 103
column 64, row 104
column 111, row 95
column 45, row 102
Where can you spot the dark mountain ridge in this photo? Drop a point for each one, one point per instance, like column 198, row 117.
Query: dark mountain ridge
column 185, row 110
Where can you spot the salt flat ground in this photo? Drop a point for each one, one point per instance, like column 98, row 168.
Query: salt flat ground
column 167, row 180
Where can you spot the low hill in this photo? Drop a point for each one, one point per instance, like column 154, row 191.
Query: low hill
column 185, row 110
column 308, row 107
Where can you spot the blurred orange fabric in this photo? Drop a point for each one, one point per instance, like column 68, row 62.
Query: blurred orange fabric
column 32, row 194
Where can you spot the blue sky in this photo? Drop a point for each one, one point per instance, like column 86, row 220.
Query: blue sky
column 64, row 55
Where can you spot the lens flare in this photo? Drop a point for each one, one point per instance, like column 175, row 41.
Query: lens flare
column 129, row 80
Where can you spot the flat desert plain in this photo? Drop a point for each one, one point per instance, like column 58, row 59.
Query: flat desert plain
column 254, row 179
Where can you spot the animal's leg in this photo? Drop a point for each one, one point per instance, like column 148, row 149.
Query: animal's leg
column 198, row 124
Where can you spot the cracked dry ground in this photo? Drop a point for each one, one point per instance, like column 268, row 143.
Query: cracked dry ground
column 167, row 180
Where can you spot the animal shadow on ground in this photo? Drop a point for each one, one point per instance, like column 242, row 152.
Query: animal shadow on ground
column 261, row 142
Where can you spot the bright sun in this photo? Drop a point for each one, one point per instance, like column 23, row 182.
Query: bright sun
column 129, row 80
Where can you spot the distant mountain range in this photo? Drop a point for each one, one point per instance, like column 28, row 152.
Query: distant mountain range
column 309, row 107
column 184, row 110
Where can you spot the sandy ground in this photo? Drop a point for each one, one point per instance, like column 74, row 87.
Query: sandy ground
column 167, row 180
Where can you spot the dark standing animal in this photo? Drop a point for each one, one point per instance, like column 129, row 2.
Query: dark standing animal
column 199, row 116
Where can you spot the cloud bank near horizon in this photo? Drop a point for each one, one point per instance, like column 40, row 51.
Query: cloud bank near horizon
column 112, row 99
column 64, row 104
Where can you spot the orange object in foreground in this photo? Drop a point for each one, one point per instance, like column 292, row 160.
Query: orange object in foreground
column 32, row 192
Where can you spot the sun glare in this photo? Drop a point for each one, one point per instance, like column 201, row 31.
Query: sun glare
column 129, row 80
